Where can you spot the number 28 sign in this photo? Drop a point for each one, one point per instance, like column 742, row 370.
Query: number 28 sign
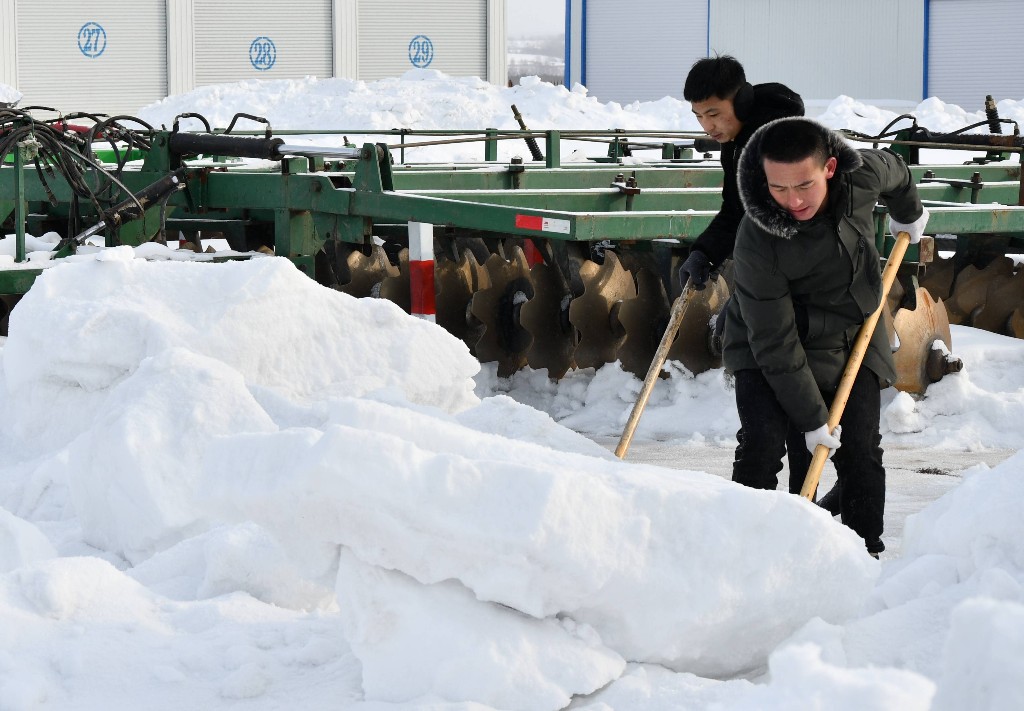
column 262, row 53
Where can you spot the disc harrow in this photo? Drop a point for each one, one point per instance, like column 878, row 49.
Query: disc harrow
column 531, row 264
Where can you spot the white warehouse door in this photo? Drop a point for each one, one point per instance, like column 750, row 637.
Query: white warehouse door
column 108, row 57
column 237, row 40
column 974, row 50
column 642, row 51
column 395, row 37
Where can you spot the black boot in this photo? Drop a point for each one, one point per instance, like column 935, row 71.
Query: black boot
column 832, row 501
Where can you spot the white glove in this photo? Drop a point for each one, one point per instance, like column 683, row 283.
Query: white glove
column 821, row 436
column 915, row 229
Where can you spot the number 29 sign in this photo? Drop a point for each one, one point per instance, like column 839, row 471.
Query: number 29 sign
column 421, row 51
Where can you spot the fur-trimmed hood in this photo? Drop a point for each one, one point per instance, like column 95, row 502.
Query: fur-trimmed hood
column 753, row 186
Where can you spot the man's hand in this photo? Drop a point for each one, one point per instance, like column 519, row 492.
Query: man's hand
column 821, row 436
column 696, row 268
column 915, row 229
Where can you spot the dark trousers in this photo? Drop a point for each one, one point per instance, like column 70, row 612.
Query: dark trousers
column 766, row 433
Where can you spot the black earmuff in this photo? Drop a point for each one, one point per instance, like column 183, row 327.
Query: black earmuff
column 743, row 101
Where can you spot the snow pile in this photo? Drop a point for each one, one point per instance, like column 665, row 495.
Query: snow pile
column 422, row 99
column 932, row 113
column 235, row 429
column 80, row 634
column 80, row 334
column 425, row 99
column 972, row 409
column 9, row 95
column 943, row 629
column 21, row 543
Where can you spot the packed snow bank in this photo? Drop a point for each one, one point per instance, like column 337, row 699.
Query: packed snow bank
column 84, row 328
column 232, row 427
column 979, row 407
column 423, row 99
column 426, row 99
column 658, row 562
column 943, row 630
column 964, row 546
column 491, row 655
column 949, row 614
column 21, row 543
column 110, row 643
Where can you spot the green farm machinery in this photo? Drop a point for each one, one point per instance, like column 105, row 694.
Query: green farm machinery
column 533, row 263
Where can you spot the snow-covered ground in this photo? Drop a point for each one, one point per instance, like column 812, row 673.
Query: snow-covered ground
column 225, row 487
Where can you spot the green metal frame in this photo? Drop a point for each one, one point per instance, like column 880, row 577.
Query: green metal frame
column 310, row 201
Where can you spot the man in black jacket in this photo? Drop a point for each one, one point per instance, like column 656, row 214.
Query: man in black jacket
column 806, row 277
column 729, row 109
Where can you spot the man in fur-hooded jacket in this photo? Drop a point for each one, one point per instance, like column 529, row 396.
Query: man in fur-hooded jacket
column 807, row 275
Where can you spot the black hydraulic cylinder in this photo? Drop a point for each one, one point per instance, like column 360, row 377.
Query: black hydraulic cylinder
column 134, row 208
column 221, row 145
column 706, row 145
column 923, row 135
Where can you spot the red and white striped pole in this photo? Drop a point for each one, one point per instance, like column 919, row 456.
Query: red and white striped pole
column 421, row 270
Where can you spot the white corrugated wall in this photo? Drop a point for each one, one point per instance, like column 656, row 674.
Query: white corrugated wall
column 397, row 36
column 242, row 39
column 869, row 49
column 8, row 43
column 105, row 57
column 974, row 50
column 641, row 51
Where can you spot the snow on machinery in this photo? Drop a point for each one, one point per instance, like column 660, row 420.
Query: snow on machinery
column 540, row 263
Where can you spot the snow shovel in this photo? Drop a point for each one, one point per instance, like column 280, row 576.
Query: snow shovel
column 675, row 318
column 860, row 347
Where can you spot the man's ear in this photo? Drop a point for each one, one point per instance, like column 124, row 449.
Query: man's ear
column 830, row 167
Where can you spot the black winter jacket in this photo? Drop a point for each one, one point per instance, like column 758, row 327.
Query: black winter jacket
column 771, row 101
column 804, row 288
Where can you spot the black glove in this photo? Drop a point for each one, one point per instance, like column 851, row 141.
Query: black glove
column 696, row 267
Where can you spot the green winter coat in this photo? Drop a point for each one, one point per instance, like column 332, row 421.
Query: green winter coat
column 804, row 288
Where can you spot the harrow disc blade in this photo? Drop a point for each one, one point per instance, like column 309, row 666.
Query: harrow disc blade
column 365, row 271
column 644, row 319
column 396, row 288
column 546, row 318
column 938, row 278
column 971, row 287
column 1004, row 295
column 456, row 282
column 595, row 313
column 692, row 346
column 498, row 307
column 917, row 363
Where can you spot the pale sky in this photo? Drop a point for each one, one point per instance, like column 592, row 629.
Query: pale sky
column 535, row 17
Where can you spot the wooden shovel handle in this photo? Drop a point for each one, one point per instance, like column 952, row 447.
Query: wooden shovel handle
column 860, row 348
column 674, row 320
